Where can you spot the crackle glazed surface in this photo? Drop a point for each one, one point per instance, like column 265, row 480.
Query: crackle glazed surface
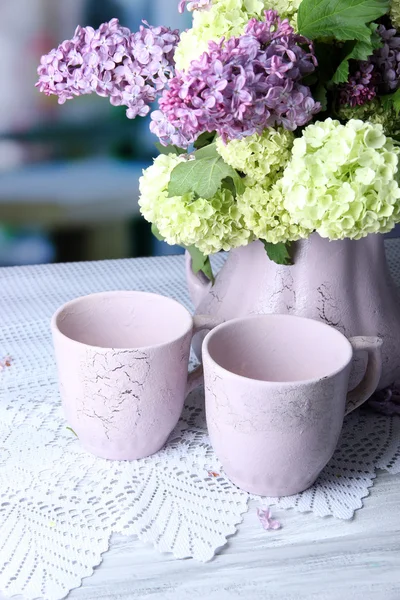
column 276, row 390
column 122, row 401
column 345, row 284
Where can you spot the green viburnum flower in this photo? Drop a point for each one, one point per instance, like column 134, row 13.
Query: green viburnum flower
column 225, row 18
column 341, row 180
column 266, row 216
column 210, row 225
column 395, row 13
column 259, row 157
column 375, row 113
column 287, row 9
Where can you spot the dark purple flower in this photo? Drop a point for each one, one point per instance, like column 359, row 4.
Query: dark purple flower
column 132, row 69
column 360, row 88
column 379, row 75
column 386, row 61
column 241, row 86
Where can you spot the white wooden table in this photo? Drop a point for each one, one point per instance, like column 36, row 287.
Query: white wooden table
column 309, row 558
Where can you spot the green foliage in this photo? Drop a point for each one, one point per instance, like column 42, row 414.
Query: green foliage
column 328, row 57
column 209, row 151
column 396, row 101
column 156, row 233
column 278, row 253
column 340, row 19
column 320, row 94
column 200, row 262
column 169, row 149
column 204, row 139
column 391, row 101
column 357, row 50
column 228, row 184
column 70, row 429
column 203, row 175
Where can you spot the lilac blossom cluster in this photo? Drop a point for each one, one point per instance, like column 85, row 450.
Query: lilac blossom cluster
column 379, row 75
column 386, row 61
column 132, row 69
column 240, row 86
column 360, row 87
column 193, row 5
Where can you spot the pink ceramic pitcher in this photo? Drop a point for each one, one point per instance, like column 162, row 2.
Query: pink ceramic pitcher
column 345, row 284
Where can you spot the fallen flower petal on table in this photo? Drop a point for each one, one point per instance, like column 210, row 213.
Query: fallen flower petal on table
column 5, row 362
column 266, row 519
column 213, row 474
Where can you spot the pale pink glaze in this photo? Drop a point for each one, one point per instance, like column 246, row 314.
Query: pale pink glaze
column 345, row 284
column 122, row 362
column 276, row 395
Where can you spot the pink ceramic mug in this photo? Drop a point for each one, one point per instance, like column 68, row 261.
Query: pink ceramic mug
column 122, row 361
column 276, row 395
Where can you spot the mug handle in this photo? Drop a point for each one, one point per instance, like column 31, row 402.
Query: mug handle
column 369, row 383
column 200, row 322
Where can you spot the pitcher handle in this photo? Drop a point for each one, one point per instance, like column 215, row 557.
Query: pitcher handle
column 370, row 381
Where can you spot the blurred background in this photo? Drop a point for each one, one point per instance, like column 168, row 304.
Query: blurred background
column 69, row 174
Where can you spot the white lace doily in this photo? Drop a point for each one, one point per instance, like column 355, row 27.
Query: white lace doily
column 59, row 505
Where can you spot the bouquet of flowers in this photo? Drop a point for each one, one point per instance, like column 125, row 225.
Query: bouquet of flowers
column 275, row 118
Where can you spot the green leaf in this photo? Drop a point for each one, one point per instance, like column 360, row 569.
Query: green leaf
column 342, row 73
column 228, row 184
column 239, row 183
column 360, row 50
column 202, row 176
column 278, row 253
column 387, row 102
column 204, row 139
column 328, row 57
column 70, row 429
column 341, row 19
column 391, row 102
column 169, row 149
column 200, row 262
column 396, row 101
column 376, row 40
column 320, row 94
column 156, row 233
column 234, row 185
column 209, row 151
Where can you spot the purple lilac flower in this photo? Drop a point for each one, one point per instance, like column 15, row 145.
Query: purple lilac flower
column 193, row 5
column 386, row 61
column 241, row 86
column 379, row 75
column 131, row 69
column 361, row 86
